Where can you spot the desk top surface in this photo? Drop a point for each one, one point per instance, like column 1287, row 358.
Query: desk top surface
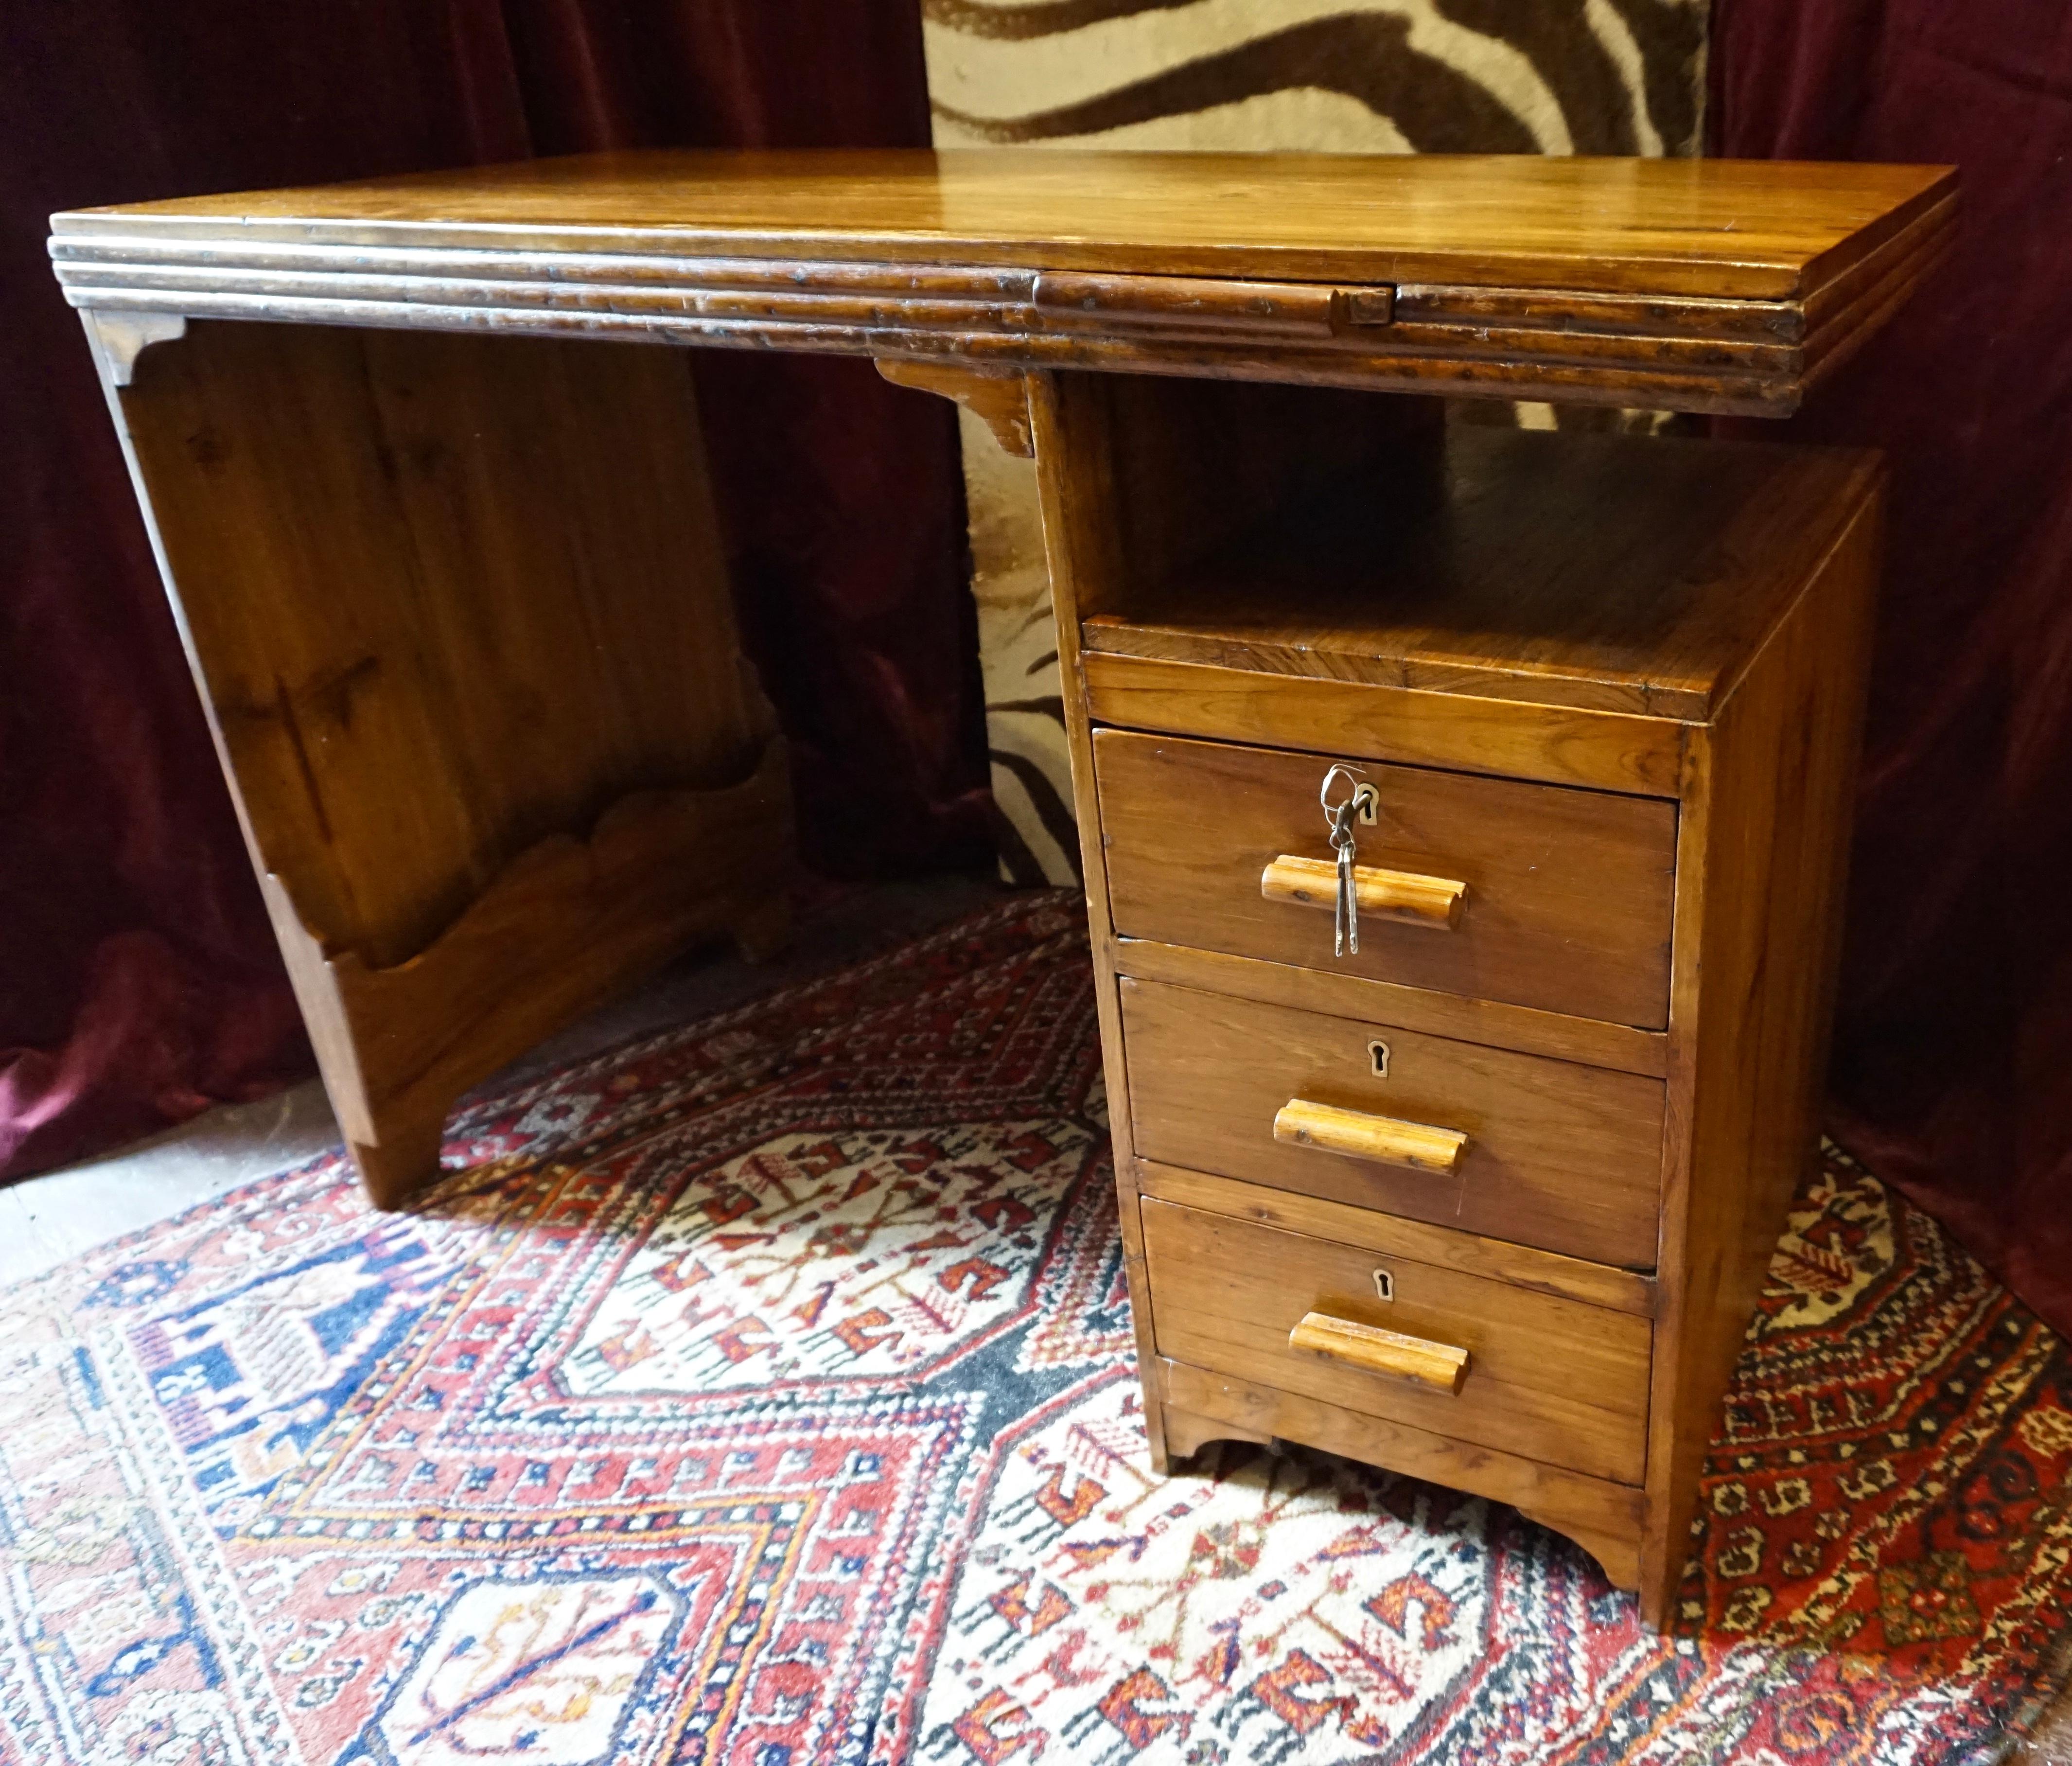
column 1681, row 284
column 1725, row 228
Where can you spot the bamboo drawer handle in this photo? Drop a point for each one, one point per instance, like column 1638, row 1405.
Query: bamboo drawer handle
column 1394, row 895
column 1378, row 1351
column 1301, row 1123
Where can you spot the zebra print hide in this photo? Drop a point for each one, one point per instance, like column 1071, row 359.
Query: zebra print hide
column 1559, row 77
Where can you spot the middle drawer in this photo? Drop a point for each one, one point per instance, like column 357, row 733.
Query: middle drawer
column 1562, row 1156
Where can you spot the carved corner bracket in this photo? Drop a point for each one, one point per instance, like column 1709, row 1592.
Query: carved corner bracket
column 995, row 396
column 119, row 338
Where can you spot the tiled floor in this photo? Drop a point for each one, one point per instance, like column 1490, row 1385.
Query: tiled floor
column 45, row 1219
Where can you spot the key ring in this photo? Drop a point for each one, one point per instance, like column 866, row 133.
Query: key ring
column 1332, row 811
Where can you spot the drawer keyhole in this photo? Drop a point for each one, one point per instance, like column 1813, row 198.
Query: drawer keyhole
column 1384, row 1285
column 1378, row 1052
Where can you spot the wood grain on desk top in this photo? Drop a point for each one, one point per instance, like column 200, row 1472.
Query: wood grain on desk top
column 1744, row 229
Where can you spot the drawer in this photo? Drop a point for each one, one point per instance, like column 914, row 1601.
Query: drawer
column 1550, row 1379
column 1558, row 1155
column 1567, row 897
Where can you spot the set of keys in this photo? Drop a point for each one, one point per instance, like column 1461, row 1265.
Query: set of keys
column 1358, row 804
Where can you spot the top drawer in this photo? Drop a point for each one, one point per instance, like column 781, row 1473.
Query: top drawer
column 1569, row 891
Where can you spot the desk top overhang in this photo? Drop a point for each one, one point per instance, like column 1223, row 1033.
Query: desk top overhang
column 1679, row 285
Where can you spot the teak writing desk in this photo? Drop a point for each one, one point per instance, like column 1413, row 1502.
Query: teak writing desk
column 1481, row 1188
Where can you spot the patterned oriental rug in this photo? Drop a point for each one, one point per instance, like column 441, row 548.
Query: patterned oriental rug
column 762, row 1395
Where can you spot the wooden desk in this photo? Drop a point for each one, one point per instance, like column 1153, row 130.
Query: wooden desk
column 1486, row 1199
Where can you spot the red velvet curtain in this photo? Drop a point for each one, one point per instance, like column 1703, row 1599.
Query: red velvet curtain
column 138, row 981
column 1953, row 1073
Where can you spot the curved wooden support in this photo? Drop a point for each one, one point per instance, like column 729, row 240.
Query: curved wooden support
column 1615, row 1550
column 564, row 925
column 1603, row 1517
column 995, row 396
column 119, row 338
column 1187, row 1433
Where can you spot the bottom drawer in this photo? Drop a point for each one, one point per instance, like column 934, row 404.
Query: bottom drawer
column 1550, row 1379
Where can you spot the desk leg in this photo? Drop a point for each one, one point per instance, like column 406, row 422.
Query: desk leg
column 459, row 612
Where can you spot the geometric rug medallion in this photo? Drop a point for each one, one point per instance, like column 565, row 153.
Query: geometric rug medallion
column 764, row 1393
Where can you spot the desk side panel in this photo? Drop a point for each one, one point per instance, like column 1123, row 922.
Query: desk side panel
column 458, row 609
column 1762, row 858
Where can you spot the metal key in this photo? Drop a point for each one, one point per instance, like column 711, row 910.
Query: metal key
column 1341, row 816
column 1342, row 840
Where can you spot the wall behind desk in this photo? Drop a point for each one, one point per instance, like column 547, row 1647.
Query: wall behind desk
column 138, row 979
